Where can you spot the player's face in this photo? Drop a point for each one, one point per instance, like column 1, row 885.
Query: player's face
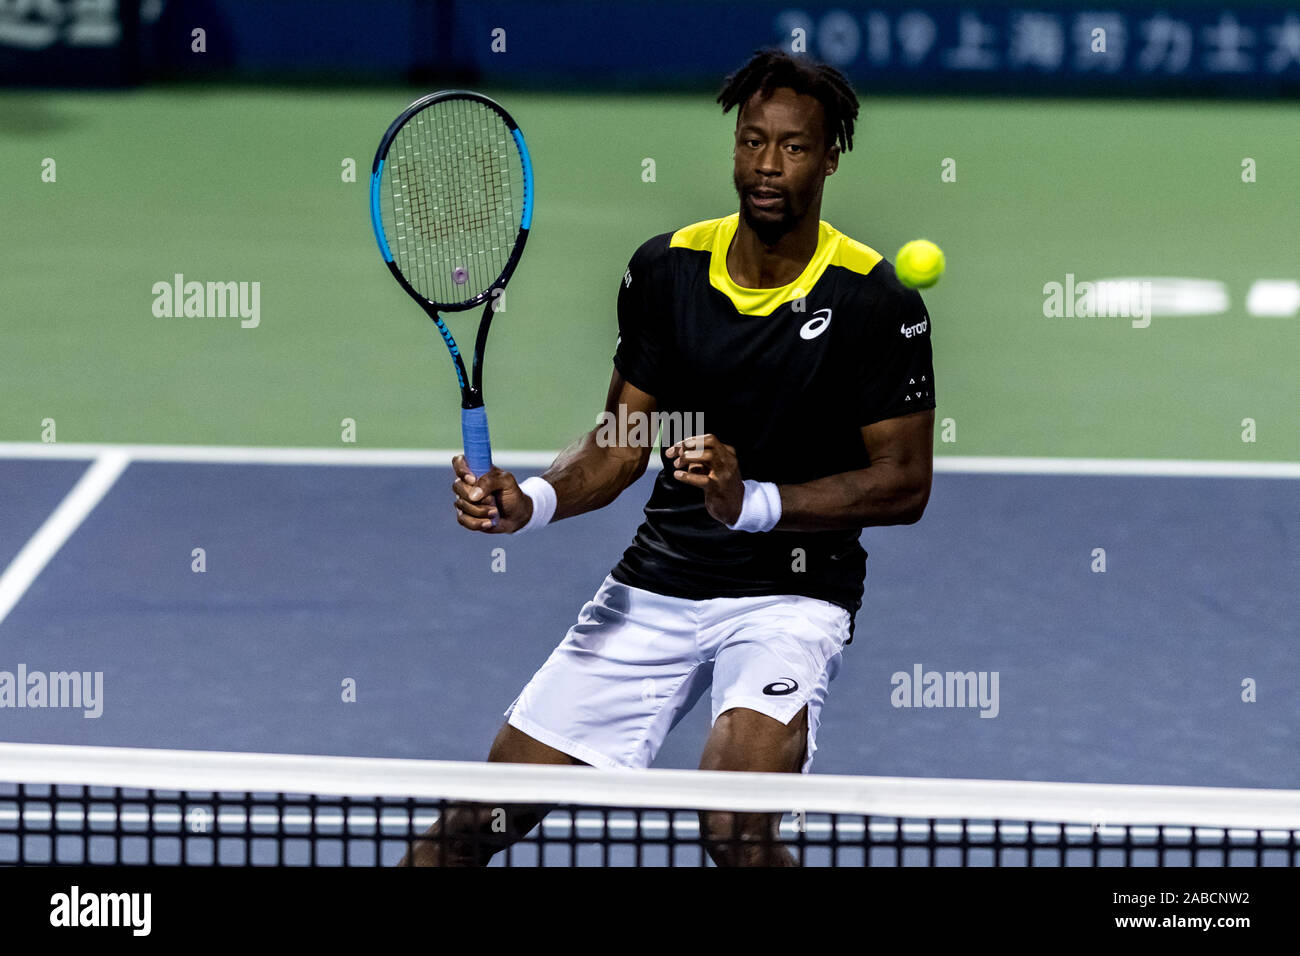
column 781, row 160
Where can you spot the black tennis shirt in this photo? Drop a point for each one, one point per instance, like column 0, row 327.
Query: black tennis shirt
column 788, row 377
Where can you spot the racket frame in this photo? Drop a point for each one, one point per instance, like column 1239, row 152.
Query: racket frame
column 473, row 412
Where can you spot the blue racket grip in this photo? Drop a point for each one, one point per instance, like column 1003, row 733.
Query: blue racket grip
column 478, row 446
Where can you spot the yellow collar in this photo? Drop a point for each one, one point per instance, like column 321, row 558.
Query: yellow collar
column 714, row 236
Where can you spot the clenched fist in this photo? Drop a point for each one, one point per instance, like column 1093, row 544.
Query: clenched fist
column 704, row 461
column 491, row 503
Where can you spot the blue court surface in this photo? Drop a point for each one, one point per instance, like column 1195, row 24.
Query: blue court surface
column 316, row 575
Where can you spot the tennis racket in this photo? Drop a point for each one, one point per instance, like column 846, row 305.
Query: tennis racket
column 451, row 202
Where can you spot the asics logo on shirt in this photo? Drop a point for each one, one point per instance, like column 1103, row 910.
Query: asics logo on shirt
column 815, row 326
column 779, row 688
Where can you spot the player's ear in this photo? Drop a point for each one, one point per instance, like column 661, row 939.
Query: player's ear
column 832, row 160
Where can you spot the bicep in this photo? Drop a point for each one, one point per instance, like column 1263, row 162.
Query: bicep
column 624, row 393
column 622, row 400
column 905, row 443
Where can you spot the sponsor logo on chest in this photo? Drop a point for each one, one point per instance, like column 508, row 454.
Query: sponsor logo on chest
column 819, row 323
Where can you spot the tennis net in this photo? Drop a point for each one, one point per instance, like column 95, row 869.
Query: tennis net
column 107, row 805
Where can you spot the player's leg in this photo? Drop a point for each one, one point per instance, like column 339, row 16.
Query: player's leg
column 775, row 659
column 470, row 834
column 607, row 696
column 744, row 739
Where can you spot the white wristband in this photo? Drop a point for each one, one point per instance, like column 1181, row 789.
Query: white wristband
column 761, row 509
column 543, row 497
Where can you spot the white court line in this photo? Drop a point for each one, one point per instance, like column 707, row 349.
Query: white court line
column 435, row 458
column 254, row 455
column 59, row 526
column 1142, row 467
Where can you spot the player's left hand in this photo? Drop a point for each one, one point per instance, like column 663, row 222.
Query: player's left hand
column 706, row 462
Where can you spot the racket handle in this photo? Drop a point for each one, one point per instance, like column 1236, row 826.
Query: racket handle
column 478, row 446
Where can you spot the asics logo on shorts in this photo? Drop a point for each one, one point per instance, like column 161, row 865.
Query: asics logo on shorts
column 779, row 688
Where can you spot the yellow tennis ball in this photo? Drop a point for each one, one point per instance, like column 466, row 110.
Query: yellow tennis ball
column 919, row 264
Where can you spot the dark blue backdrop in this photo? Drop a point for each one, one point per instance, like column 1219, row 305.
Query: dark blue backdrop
column 1020, row 48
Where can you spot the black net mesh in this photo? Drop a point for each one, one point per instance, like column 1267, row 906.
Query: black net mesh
column 78, row 825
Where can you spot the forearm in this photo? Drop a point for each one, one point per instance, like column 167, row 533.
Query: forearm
column 882, row 494
column 587, row 476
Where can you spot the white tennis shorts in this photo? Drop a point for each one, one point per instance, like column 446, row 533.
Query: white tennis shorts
column 636, row 662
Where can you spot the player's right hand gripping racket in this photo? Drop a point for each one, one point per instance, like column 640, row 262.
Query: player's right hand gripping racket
column 451, row 200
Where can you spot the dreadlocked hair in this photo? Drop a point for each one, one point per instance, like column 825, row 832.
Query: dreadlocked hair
column 770, row 69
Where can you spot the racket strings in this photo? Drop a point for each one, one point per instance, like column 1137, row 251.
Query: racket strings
column 454, row 182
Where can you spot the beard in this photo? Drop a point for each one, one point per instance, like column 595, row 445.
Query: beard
column 768, row 225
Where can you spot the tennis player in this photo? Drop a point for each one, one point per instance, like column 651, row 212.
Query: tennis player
column 810, row 366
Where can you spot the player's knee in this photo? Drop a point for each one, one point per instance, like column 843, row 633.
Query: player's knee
column 452, row 841
column 471, row 834
column 739, row 839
